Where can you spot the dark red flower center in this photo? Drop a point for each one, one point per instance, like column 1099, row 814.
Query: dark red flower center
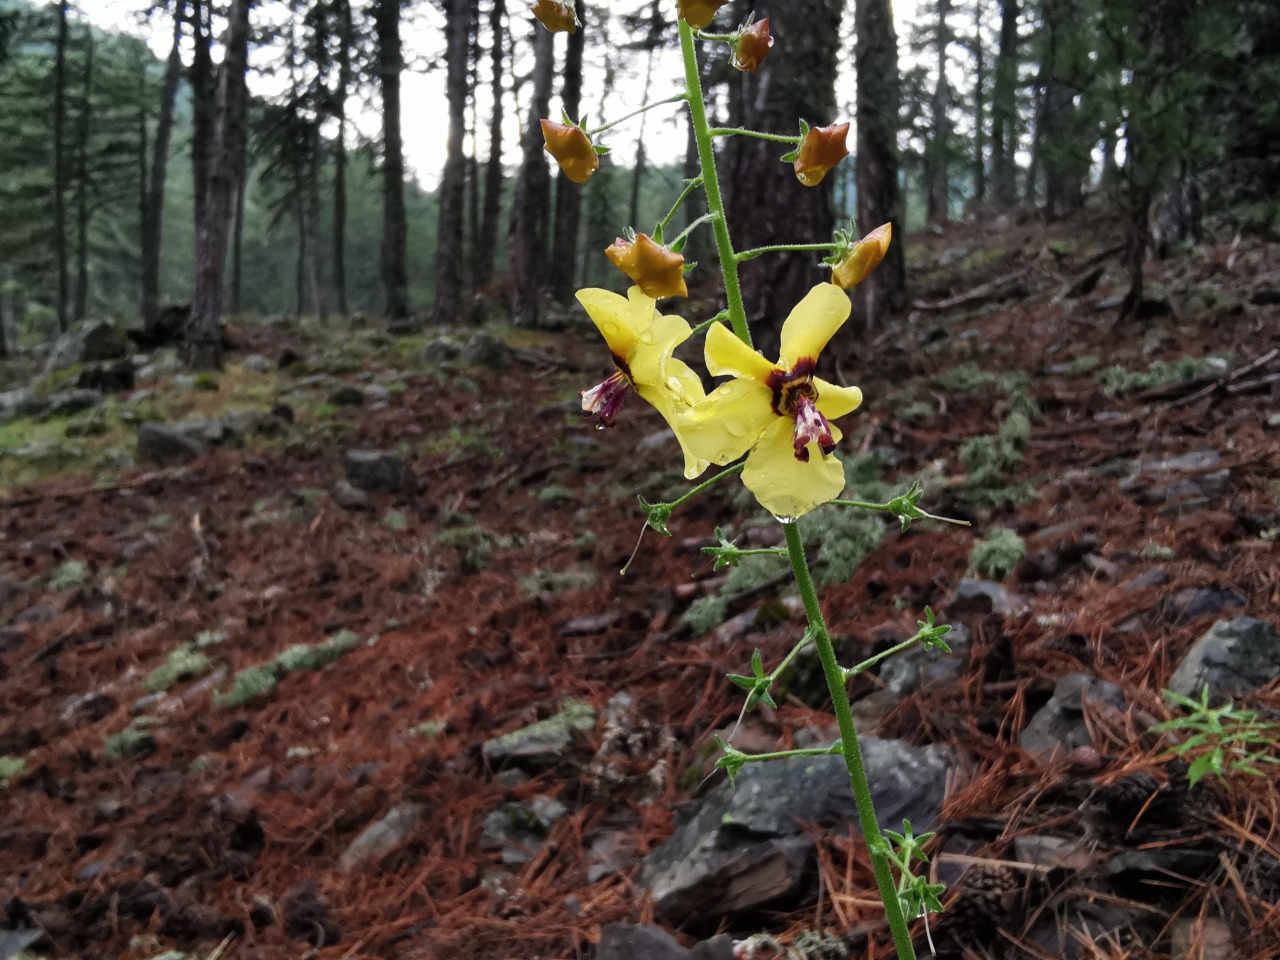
column 795, row 396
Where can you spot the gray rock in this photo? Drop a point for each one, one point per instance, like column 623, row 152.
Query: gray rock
column 590, row 624
column 1273, row 421
column 377, row 393
column 114, row 377
column 163, row 443
column 164, row 363
column 186, row 382
column 1059, row 726
column 983, row 596
column 918, row 666
column 628, row 941
column 381, row 837
column 48, row 454
column 1233, row 658
column 257, row 363
column 743, row 847
column 20, row 403
column 1155, row 577
column 349, row 497
column 1152, row 483
column 519, row 829
column 543, row 744
column 377, row 470
column 347, row 395
column 67, row 403
column 441, row 350
column 486, row 350
column 1193, row 602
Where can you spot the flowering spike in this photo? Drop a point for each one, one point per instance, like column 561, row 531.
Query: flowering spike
column 572, row 149
column 658, row 271
column 822, row 149
column 752, row 46
column 556, row 17
column 699, row 13
column 862, row 257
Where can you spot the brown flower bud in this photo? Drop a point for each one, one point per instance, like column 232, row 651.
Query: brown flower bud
column 823, row 148
column 572, row 149
column 752, row 46
column 556, row 17
column 698, row 13
column 657, row 271
column 863, row 257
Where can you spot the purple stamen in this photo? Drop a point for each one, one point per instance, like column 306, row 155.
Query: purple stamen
column 604, row 400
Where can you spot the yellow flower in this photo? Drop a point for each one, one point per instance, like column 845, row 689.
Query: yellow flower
column 572, row 149
column 862, row 257
column 659, row 272
column 556, row 17
column 642, row 341
column 698, row 13
column 821, row 150
column 777, row 413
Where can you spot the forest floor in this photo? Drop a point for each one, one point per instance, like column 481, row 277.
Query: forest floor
column 143, row 811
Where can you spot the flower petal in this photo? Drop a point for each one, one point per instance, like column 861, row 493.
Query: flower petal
column 785, row 486
column 834, row 402
column 728, row 356
column 812, row 323
column 728, row 422
column 614, row 318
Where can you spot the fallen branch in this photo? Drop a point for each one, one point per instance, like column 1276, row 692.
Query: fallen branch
column 1231, row 383
column 990, row 290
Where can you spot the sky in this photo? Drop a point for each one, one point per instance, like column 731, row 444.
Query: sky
column 425, row 117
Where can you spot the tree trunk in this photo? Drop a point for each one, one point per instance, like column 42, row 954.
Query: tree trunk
column 346, row 37
column 765, row 202
column 202, row 94
column 527, row 235
column 395, row 276
column 237, row 234
column 879, row 195
column 153, row 213
column 1063, row 148
column 488, row 236
column 979, row 110
column 451, row 242
column 202, row 347
column 1004, row 109
column 82, row 183
column 937, row 152
column 319, row 305
column 59, row 162
column 568, row 194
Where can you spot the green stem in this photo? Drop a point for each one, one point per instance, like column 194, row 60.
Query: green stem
column 876, row 842
column 760, row 552
column 758, row 134
column 786, row 754
column 727, row 472
column 675, row 98
column 705, row 324
column 870, row 662
column 711, row 184
column 689, row 187
column 785, row 248
column 689, row 229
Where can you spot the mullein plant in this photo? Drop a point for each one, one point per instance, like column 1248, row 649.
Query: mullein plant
column 770, row 423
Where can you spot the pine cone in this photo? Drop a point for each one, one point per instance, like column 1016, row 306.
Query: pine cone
column 988, row 898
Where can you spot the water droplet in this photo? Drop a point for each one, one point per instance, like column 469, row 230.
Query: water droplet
column 785, row 519
column 599, row 426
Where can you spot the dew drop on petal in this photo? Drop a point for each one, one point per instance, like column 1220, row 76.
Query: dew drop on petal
column 785, row 519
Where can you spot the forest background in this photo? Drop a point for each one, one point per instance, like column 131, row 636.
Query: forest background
column 129, row 182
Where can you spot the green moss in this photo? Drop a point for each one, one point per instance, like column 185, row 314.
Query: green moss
column 302, row 656
column 207, row 381
column 997, row 553
column 558, row 581
column 1118, row 381
column 132, row 741
column 706, row 613
column 556, row 493
column 395, row 521
column 10, row 767
column 68, row 576
column 845, row 537
column 1081, row 366
column 430, row 728
column 184, row 663
column 963, row 378
column 249, row 683
column 473, row 544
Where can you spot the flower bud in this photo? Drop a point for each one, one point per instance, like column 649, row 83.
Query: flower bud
column 863, row 257
column 556, row 17
column 657, row 271
column 752, row 46
column 698, row 13
column 572, row 149
column 822, row 149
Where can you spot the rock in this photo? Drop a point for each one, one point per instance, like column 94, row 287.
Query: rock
column 404, row 327
column 982, row 597
column 289, row 358
column 163, row 443
column 629, row 941
column 744, row 846
column 543, row 744
column 377, row 393
column 1151, row 483
column 1059, row 726
column 486, row 350
column 1196, row 602
column 47, row 454
column 92, row 340
column 67, row 403
column 381, row 837
column 257, row 363
column 164, row 363
column 20, row 403
column 441, row 350
column 590, row 624
column 375, row 470
column 349, row 497
column 1233, row 658
column 347, row 395
column 108, row 377
column 519, row 829
column 1155, row 577
column 86, row 427
column 1273, row 421
column 918, row 666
